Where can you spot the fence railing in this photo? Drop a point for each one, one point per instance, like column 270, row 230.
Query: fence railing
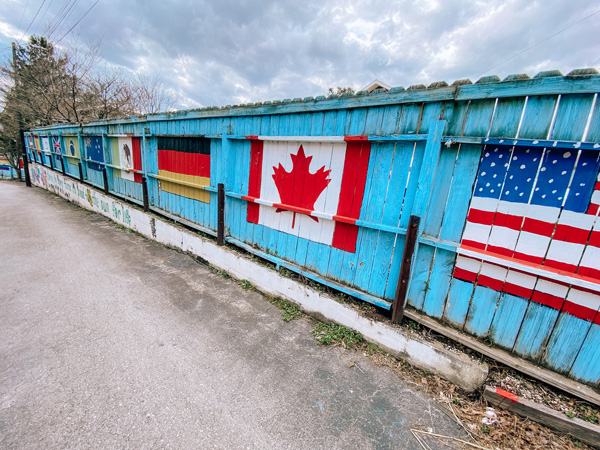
column 495, row 184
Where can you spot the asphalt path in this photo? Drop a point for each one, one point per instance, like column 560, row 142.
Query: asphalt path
column 110, row 340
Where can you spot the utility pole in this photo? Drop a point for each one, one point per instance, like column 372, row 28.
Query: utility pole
column 21, row 142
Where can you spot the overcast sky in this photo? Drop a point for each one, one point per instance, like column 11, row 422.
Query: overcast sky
column 214, row 53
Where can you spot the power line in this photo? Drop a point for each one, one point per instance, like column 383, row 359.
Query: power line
column 23, row 14
column 31, row 23
column 77, row 23
column 537, row 43
column 64, row 13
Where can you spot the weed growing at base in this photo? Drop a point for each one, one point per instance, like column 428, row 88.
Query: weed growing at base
column 332, row 333
column 290, row 310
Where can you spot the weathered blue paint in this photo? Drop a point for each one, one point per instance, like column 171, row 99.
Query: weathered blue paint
column 565, row 342
column 537, row 325
column 587, row 365
column 481, row 311
column 508, row 319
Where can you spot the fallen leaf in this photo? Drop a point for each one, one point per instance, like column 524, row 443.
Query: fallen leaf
column 351, row 364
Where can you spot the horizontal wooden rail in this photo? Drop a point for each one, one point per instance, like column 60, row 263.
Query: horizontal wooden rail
column 181, row 182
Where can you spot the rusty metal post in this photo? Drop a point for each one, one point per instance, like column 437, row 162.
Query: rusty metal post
column 80, row 172
column 401, row 289
column 105, row 180
column 221, row 217
column 145, row 194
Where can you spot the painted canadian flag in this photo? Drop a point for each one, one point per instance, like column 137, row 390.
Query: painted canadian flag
column 310, row 187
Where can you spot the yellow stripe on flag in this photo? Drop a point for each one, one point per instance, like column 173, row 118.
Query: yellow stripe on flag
column 194, row 192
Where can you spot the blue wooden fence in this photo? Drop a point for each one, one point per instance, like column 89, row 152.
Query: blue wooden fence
column 502, row 174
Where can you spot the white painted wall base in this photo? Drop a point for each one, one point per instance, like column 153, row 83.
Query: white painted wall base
column 457, row 368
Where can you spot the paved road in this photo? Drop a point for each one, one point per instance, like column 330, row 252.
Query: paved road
column 109, row 340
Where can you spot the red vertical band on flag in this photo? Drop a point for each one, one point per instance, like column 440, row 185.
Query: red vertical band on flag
column 256, row 157
column 352, row 190
column 137, row 158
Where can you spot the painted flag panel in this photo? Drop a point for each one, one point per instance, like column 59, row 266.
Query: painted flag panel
column 71, row 147
column 126, row 153
column 94, row 151
column 309, row 187
column 187, row 160
column 46, row 144
column 536, row 208
column 57, row 147
column 37, row 146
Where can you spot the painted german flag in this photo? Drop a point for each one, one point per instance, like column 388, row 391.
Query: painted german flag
column 187, row 160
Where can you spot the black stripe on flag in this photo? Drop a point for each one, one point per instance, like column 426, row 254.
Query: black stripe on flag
column 186, row 145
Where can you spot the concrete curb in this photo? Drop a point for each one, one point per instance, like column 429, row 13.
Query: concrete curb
column 457, row 368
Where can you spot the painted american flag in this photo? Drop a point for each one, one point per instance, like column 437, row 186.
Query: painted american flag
column 533, row 230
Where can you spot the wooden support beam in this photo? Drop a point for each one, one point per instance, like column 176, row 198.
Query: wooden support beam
column 407, row 256
column 221, row 214
column 579, row 429
column 572, row 387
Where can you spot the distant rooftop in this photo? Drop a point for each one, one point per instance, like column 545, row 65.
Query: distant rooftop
column 376, row 85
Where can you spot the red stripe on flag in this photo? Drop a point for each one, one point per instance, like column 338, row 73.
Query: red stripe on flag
column 528, row 258
column 508, row 221
column 547, row 299
column 589, row 272
column 568, row 233
column 473, row 244
column 195, row 164
column 560, row 265
column 465, row 275
column 356, row 138
column 579, row 311
column 517, row 290
column 137, row 158
column 481, row 217
column 490, row 282
column 352, row 190
column 594, row 239
column 500, row 250
column 256, row 158
column 593, row 209
column 538, row 227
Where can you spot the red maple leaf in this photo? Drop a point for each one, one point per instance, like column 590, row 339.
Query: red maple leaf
column 299, row 188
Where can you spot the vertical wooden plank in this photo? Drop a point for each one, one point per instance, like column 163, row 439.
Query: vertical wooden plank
column 537, row 325
column 566, row 340
column 507, row 320
column 572, row 116
column 406, row 211
column 587, row 365
column 375, row 194
column 458, row 302
column 481, row 311
column 423, row 257
column 386, row 247
column 507, row 117
column 538, row 117
column 594, row 129
column 344, row 263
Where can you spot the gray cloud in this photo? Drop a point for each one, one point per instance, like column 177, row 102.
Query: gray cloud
column 227, row 52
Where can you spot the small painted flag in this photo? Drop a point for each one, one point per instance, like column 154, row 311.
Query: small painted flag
column 309, row 187
column 187, row 160
column 536, row 207
column 72, row 146
column 94, row 151
column 46, row 145
column 126, row 153
column 56, row 146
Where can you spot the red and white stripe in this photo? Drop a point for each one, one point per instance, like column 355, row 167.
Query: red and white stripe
column 595, row 202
